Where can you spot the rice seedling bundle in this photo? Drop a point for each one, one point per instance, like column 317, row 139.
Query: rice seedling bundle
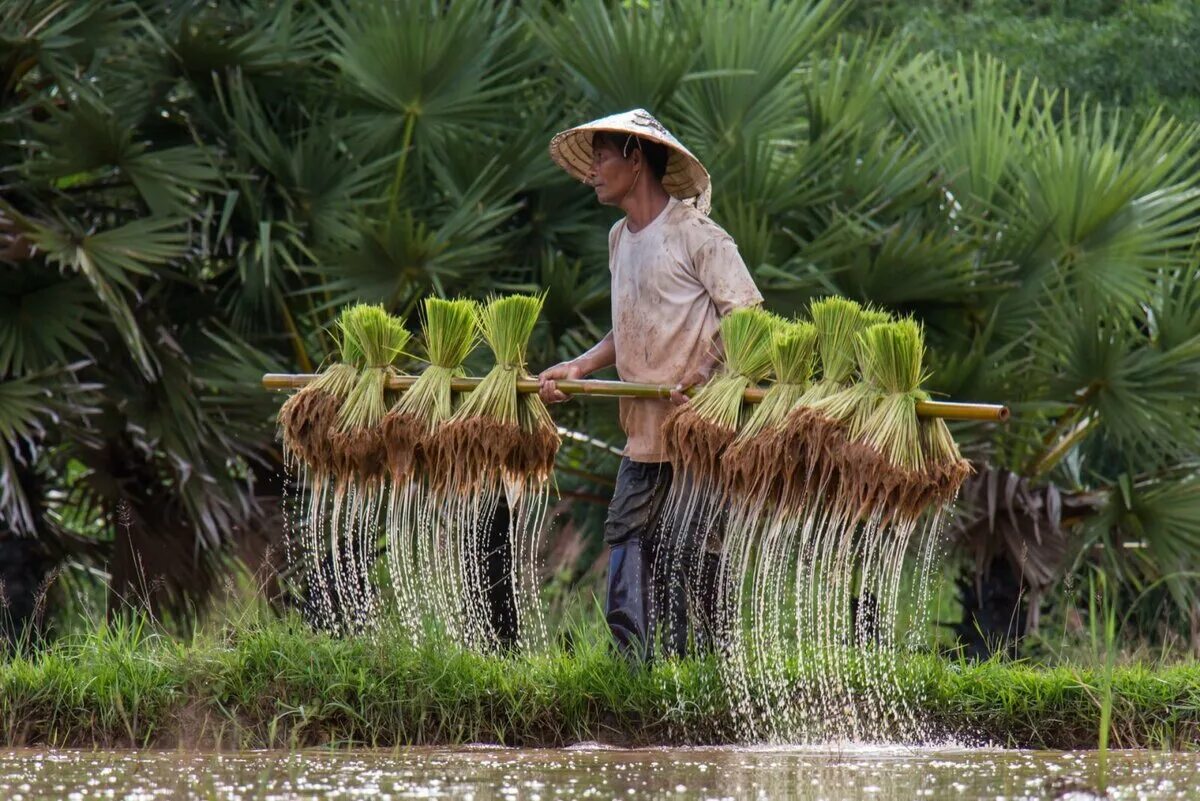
column 310, row 414
column 808, row 438
column 357, row 440
column 881, row 460
column 496, row 433
column 696, row 433
column 750, row 465
column 450, row 333
column 498, row 444
column 423, row 554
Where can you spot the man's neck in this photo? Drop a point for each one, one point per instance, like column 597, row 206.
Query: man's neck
column 644, row 204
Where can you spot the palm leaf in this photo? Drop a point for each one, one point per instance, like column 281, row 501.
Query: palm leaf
column 1108, row 209
column 45, row 322
column 744, row 83
column 420, row 71
column 977, row 117
column 619, row 55
column 111, row 261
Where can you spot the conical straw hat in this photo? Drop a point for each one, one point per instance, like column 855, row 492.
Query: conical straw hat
column 685, row 178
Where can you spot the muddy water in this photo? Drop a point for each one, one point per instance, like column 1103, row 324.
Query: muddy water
column 807, row 774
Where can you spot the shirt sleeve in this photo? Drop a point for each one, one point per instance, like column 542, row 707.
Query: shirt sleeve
column 720, row 269
column 613, row 236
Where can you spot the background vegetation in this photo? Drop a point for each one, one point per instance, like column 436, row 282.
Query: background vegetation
column 190, row 191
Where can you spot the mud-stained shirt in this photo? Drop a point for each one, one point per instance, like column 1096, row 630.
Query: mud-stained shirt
column 672, row 282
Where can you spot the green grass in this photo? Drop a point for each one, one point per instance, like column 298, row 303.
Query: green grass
column 275, row 684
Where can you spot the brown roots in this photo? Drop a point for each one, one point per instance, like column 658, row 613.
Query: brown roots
column 872, row 485
column 404, row 437
column 534, row 453
column 306, row 421
column 694, row 445
column 948, row 478
column 359, row 455
column 461, row 454
column 755, row 470
column 808, row 463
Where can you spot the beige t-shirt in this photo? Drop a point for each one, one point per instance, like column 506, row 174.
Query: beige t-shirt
column 672, row 281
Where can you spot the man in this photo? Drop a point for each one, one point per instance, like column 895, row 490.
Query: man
column 675, row 273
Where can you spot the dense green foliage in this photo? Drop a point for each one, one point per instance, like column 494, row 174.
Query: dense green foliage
column 1139, row 55
column 190, row 193
column 280, row 685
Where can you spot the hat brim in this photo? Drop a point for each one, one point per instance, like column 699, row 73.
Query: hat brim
column 685, row 176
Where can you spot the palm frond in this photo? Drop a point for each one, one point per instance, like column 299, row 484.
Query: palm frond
column 111, row 261
column 1111, row 208
column 422, row 71
column 45, row 321
column 977, row 117
column 747, row 52
column 31, row 406
column 621, row 55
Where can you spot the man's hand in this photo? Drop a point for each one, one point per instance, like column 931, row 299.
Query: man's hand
column 692, row 379
column 547, row 389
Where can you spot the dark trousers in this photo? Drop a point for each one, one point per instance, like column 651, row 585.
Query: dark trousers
column 491, row 571
column 661, row 580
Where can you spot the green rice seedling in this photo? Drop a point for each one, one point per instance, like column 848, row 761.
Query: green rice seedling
column 357, row 439
column 696, row 433
column 309, row 415
column 880, row 460
column 484, row 436
column 450, row 334
column 805, row 465
column 750, row 464
column 754, row 557
column 338, row 530
column 311, row 422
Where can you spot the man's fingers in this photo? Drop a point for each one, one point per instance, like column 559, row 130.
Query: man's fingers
column 549, row 392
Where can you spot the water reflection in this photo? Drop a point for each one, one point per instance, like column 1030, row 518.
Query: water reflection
column 481, row 773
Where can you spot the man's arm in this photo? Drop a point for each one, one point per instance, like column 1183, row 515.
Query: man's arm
column 602, row 354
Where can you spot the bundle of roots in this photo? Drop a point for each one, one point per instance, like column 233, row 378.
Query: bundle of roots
column 356, row 440
column 308, row 418
column 697, row 433
column 497, row 435
column 450, row 334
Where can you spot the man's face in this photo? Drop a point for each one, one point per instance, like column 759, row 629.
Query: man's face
column 612, row 174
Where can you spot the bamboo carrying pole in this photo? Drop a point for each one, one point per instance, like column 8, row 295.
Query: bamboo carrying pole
column 986, row 412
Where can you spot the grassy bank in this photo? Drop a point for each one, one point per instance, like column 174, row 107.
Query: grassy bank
column 277, row 685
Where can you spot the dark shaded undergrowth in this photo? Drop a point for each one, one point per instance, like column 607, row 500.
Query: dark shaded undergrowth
column 279, row 685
